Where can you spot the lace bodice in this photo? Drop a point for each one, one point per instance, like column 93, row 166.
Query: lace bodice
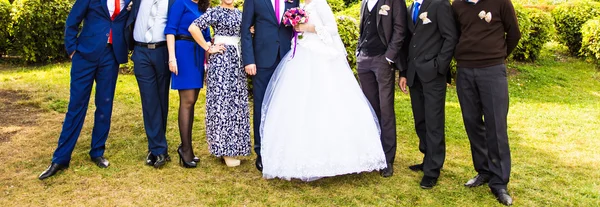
column 326, row 38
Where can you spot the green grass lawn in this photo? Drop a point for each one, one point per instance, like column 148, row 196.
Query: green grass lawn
column 554, row 130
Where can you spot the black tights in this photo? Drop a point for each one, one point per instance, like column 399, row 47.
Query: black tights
column 187, row 100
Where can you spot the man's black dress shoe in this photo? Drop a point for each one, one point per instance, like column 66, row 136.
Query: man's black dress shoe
column 428, row 182
column 478, row 180
column 258, row 163
column 52, row 170
column 503, row 197
column 150, row 159
column 417, row 167
column 101, row 162
column 161, row 160
column 388, row 171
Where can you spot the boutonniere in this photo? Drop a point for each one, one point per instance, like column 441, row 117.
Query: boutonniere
column 485, row 15
column 384, row 10
column 423, row 17
column 129, row 5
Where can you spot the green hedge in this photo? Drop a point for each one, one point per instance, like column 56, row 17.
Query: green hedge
column 5, row 24
column 536, row 27
column 351, row 2
column 352, row 11
column 348, row 30
column 38, row 28
column 568, row 20
column 336, row 5
column 590, row 45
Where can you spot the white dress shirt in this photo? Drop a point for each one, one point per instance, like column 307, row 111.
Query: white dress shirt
column 111, row 7
column 281, row 8
column 371, row 4
column 143, row 21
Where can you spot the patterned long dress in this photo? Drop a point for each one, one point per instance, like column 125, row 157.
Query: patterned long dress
column 227, row 110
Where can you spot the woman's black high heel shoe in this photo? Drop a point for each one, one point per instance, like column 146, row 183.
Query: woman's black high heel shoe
column 195, row 159
column 183, row 163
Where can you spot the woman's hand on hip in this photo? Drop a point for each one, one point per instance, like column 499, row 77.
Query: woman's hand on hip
column 217, row 48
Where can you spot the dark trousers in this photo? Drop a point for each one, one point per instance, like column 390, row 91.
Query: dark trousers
column 259, row 86
column 377, row 79
column 483, row 94
column 153, row 76
column 428, row 104
column 104, row 72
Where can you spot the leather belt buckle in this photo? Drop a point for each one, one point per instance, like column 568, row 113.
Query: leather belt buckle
column 152, row 46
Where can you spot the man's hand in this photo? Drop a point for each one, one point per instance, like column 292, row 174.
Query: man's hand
column 250, row 69
column 71, row 56
column 402, row 85
column 252, row 29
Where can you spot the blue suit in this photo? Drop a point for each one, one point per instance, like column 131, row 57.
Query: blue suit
column 93, row 60
column 153, row 76
column 271, row 41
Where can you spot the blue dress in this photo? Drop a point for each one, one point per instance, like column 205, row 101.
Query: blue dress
column 190, row 56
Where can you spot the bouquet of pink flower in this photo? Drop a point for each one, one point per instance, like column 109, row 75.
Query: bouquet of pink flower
column 294, row 16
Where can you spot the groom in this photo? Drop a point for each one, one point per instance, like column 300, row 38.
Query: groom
column 262, row 52
column 382, row 32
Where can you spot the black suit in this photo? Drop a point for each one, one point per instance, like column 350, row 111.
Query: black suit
column 430, row 50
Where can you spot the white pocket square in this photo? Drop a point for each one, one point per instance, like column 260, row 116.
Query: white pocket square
column 424, row 18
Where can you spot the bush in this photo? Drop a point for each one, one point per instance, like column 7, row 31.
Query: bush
column 352, row 11
column 351, row 2
column 5, row 24
column 590, row 44
column 568, row 20
column 348, row 30
column 536, row 27
column 38, row 27
column 336, row 5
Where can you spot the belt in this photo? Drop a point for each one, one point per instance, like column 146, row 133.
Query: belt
column 371, row 53
column 230, row 40
column 184, row 37
column 191, row 39
column 151, row 46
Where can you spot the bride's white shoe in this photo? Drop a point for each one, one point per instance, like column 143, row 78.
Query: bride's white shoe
column 231, row 162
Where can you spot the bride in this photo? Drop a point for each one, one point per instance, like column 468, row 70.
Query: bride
column 316, row 121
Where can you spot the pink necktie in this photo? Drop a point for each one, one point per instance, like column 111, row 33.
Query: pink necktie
column 277, row 10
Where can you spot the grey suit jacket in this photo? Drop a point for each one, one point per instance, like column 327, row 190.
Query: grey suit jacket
column 430, row 46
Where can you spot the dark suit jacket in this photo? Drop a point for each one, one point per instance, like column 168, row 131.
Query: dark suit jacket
column 270, row 38
column 94, row 35
column 135, row 8
column 391, row 28
column 431, row 46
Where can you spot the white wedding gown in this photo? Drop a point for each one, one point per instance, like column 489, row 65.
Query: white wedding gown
column 316, row 121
